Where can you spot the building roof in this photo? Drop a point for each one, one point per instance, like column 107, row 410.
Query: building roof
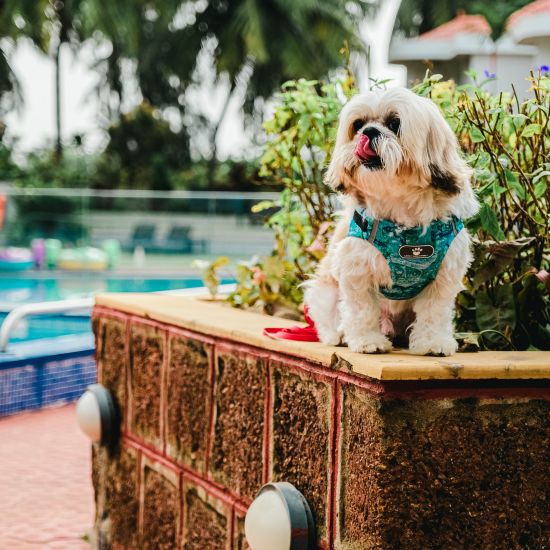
column 461, row 24
column 468, row 35
column 531, row 24
column 465, row 35
column 538, row 7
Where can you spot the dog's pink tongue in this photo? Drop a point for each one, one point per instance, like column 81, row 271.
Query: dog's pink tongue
column 363, row 149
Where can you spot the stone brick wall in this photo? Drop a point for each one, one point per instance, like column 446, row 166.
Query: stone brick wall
column 384, row 465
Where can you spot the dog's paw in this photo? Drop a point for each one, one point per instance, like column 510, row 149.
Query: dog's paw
column 440, row 347
column 373, row 342
column 329, row 337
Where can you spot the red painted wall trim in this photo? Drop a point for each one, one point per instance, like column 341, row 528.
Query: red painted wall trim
column 211, row 408
column 108, row 312
column 268, row 404
column 335, row 462
column 184, row 333
column 210, row 487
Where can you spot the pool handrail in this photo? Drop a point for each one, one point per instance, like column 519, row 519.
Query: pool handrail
column 75, row 304
column 39, row 308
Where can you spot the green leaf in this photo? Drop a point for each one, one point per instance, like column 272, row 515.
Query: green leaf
column 489, row 222
column 261, row 206
column 472, row 73
column 498, row 315
column 511, row 177
column 542, row 174
column 210, row 272
column 476, row 135
column 519, row 118
column 540, row 188
column 482, row 159
column 531, row 130
column 512, row 180
column 498, row 257
column 468, row 341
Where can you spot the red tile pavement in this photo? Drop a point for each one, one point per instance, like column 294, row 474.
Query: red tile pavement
column 46, row 495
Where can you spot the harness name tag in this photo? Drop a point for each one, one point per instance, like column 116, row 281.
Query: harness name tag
column 419, row 251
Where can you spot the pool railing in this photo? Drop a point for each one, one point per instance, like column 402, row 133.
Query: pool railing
column 53, row 370
column 41, row 308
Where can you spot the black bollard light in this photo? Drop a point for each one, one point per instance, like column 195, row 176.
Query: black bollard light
column 98, row 416
column 280, row 519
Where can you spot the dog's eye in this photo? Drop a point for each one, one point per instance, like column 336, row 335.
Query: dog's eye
column 358, row 124
column 394, row 124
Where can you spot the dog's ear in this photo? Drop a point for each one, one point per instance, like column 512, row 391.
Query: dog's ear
column 333, row 174
column 338, row 171
column 443, row 180
column 447, row 171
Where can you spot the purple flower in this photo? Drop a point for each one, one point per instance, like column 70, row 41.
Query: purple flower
column 544, row 68
column 489, row 75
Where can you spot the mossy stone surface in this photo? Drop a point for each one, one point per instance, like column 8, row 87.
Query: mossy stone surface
column 237, row 448
column 301, row 438
column 147, row 348
column 444, row 473
column 188, row 400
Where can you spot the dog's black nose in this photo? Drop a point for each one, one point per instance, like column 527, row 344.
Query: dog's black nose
column 371, row 132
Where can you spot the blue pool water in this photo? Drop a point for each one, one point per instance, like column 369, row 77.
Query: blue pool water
column 48, row 326
column 50, row 359
column 15, row 291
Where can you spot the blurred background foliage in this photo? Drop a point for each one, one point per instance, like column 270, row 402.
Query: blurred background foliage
column 165, row 50
column 252, row 47
column 300, row 139
column 164, row 45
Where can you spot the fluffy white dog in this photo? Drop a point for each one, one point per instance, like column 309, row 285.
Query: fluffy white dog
column 399, row 253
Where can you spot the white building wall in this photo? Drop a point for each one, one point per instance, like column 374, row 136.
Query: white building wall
column 543, row 55
column 509, row 69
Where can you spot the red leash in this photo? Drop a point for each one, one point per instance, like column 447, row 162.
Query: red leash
column 299, row 334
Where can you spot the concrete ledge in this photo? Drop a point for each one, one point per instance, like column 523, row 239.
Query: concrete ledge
column 222, row 321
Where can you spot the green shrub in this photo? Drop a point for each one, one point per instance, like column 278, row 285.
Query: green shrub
column 507, row 142
column 300, row 136
column 506, row 304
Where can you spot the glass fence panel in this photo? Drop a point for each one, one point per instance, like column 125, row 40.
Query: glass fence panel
column 138, row 223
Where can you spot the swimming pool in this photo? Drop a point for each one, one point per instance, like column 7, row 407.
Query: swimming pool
column 51, row 358
column 23, row 290
column 16, row 291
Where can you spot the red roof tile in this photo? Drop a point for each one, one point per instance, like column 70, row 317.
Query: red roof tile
column 534, row 8
column 461, row 24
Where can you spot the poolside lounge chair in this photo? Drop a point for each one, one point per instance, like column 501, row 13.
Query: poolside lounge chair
column 179, row 241
column 143, row 235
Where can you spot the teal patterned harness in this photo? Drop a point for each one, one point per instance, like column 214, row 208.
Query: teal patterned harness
column 414, row 254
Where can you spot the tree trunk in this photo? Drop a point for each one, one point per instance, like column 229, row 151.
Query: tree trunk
column 58, row 144
column 214, row 136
